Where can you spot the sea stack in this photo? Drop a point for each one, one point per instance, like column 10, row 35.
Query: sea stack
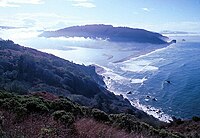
column 172, row 42
column 129, row 92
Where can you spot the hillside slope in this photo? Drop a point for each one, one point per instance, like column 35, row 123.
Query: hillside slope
column 45, row 115
column 25, row 70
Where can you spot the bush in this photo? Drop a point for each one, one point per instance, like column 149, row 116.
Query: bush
column 2, row 133
column 35, row 106
column 130, row 124
column 11, row 103
column 67, row 119
column 20, row 112
column 86, row 110
column 177, row 121
column 62, row 104
column 4, row 95
column 58, row 114
column 1, row 120
column 195, row 118
column 45, row 132
column 1, row 102
column 100, row 115
column 64, row 117
column 125, row 122
column 77, row 111
column 163, row 133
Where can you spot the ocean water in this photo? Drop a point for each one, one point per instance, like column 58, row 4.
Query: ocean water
column 179, row 64
column 164, row 83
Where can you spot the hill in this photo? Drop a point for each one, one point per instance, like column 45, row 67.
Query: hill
column 109, row 33
column 25, row 70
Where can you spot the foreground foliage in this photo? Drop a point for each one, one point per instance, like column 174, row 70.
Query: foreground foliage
column 36, row 116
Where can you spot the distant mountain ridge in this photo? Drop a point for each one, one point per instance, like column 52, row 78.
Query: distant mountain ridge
column 10, row 27
column 109, row 33
column 174, row 32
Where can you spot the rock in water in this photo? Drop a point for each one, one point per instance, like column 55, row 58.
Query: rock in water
column 129, row 92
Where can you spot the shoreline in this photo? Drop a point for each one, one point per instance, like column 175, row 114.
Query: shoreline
column 109, row 76
column 140, row 54
column 157, row 113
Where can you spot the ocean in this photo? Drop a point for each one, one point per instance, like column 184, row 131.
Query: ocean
column 164, row 83
column 176, row 82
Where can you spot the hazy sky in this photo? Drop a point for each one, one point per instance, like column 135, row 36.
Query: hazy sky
column 156, row 15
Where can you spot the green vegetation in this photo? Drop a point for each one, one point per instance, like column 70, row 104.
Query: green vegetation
column 195, row 118
column 24, row 69
column 64, row 117
column 66, row 113
column 99, row 115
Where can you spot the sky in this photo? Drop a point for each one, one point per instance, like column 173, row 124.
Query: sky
column 153, row 15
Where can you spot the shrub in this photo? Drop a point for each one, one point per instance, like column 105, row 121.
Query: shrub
column 90, row 128
column 177, row 121
column 1, row 120
column 62, row 104
column 2, row 133
column 85, row 110
column 64, row 117
column 125, row 122
column 20, row 112
column 35, row 106
column 163, row 133
column 61, row 97
column 58, row 114
column 67, row 119
column 5, row 95
column 195, row 118
column 46, row 132
column 100, row 115
column 11, row 103
column 130, row 124
column 77, row 111
column 1, row 102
